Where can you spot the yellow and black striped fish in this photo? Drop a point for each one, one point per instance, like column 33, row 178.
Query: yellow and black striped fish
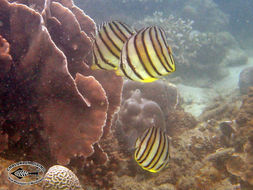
column 152, row 150
column 146, row 56
column 108, row 44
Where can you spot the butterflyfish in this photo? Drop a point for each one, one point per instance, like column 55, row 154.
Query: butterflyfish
column 108, row 44
column 152, row 150
column 146, row 56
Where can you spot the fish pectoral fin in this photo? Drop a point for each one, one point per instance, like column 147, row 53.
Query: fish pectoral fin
column 118, row 72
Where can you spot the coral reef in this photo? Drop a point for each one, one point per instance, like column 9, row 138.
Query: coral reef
column 203, row 156
column 197, row 11
column 53, row 107
column 145, row 105
column 190, row 166
column 222, row 107
column 241, row 30
column 202, row 12
column 241, row 163
column 60, row 177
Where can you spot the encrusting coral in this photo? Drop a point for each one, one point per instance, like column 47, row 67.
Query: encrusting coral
column 53, row 107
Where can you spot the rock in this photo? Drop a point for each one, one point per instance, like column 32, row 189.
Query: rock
column 235, row 57
column 246, row 79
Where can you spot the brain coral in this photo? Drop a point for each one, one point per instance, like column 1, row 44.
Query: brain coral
column 52, row 106
column 60, row 177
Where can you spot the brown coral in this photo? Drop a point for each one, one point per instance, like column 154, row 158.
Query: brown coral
column 5, row 58
column 46, row 113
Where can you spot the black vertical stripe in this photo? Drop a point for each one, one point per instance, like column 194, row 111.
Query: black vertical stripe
column 149, row 150
column 162, row 152
column 148, row 140
column 169, row 53
column 157, row 169
column 113, row 30
column 156, row 51
column 130, row 63
column 171, row 57
column 167, row 154
column 164, row 41
column 157, row 151
column 160, row 45
column 106, row 45
column 127, row 28
column 138, row 53
column 118, row 28
column 102, row 57
column 123, row 70
column 111, row 40
column 142, row 139
column 146, row 50
column 96, row 61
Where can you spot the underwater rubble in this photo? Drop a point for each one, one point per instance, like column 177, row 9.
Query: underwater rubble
column 213, row 154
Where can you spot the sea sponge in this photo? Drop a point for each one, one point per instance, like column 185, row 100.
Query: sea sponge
column 48, row 93
column 150, row 104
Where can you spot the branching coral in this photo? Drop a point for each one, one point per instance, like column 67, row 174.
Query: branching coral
column 48, row 110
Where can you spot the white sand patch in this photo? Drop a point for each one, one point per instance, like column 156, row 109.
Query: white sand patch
column 196, row 99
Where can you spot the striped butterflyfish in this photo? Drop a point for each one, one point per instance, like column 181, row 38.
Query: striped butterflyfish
column 146, row 56
column 108, row 44
column 152, row 150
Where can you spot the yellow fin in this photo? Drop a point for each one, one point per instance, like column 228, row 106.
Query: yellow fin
column 94, row 67
column 149, row 80
column 118, row 72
